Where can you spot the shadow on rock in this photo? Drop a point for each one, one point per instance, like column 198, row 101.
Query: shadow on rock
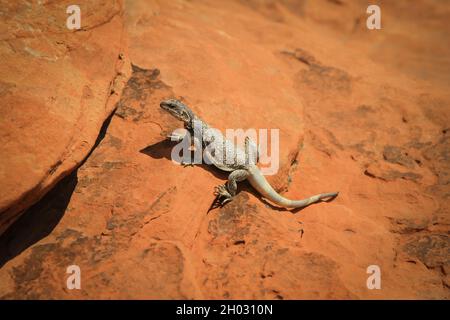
column 38, row 221
column 163, row 149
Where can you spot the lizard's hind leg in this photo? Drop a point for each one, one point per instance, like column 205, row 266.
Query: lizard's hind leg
column 226, row 192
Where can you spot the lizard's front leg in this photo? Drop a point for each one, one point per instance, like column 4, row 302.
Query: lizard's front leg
column 184, row 137
column 226, row 192
column 179, row 135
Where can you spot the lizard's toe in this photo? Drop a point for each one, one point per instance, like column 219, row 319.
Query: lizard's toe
column 225, row 201
column 218, row 190
column 186, row 164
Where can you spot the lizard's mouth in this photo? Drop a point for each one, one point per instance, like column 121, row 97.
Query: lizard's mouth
column 177, row 109
column 171, row 104
column 174, row 108
column 169, row 107
column 166, row 105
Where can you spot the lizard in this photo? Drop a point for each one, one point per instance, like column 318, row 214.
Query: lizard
column 243, row 165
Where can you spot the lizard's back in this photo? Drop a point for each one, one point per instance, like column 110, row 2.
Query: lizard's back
column 221, row 152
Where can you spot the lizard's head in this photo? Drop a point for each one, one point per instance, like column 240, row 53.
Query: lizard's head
column 178, row 109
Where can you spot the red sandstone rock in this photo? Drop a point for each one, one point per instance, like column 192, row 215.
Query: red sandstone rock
column 56, row 92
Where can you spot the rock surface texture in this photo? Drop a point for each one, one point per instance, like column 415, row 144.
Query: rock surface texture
column 87, row 177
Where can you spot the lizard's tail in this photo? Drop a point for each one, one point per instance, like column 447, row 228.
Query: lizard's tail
column 259, row 182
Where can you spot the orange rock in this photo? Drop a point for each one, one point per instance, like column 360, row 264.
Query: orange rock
column 56, row 93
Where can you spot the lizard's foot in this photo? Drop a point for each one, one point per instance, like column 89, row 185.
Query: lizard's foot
column 175, row 137
column 186, row 164
column 222, row 194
